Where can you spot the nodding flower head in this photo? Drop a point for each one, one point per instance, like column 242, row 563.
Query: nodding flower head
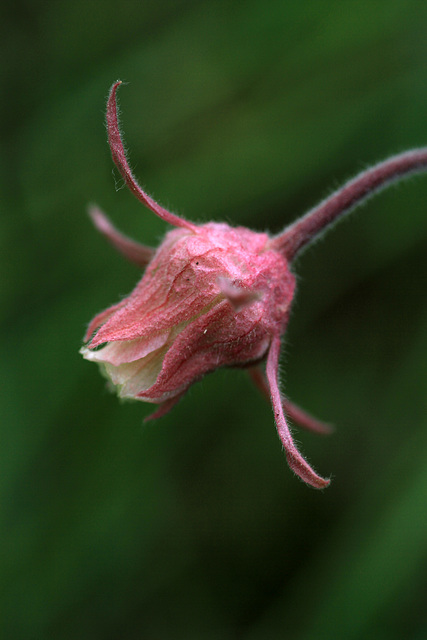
column 211, row 296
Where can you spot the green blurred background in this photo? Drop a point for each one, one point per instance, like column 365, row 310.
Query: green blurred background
column 193, row 526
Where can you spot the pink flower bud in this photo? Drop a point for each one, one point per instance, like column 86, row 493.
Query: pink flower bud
column 180, row 322
column 213, row 296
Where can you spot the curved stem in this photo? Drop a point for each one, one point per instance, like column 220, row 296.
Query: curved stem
column 350, row 195
column 119, row 157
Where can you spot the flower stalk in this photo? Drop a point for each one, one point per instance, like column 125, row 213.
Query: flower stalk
column 351, row 195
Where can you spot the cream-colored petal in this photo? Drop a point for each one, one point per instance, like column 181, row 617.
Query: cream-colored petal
column 126, row 351
column 134, row 377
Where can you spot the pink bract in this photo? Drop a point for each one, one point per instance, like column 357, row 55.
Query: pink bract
column 213, row 295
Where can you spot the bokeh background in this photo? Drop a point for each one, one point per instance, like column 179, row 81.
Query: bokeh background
column 193, row 526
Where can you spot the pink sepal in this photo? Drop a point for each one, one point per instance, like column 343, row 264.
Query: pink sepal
column 101, row 318
column 217, row 338
column 135, row 252
column 164, row 408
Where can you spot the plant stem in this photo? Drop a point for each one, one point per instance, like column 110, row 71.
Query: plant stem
column 349, row 196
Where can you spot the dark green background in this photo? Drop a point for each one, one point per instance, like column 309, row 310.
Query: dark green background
column 193, row 526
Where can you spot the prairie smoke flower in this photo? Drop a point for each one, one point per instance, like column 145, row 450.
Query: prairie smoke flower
column 214, row 295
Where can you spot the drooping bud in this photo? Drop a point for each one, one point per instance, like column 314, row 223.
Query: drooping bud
column 182, row 320
column 214, row 296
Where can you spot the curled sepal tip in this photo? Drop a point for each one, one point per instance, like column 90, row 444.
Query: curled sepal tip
column 120, row 160
column 297, row 463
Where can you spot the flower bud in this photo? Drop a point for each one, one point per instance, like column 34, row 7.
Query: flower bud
column 208, row 299
column 215, row 296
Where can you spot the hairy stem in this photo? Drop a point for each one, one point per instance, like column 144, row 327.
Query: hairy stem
column 350, row 195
